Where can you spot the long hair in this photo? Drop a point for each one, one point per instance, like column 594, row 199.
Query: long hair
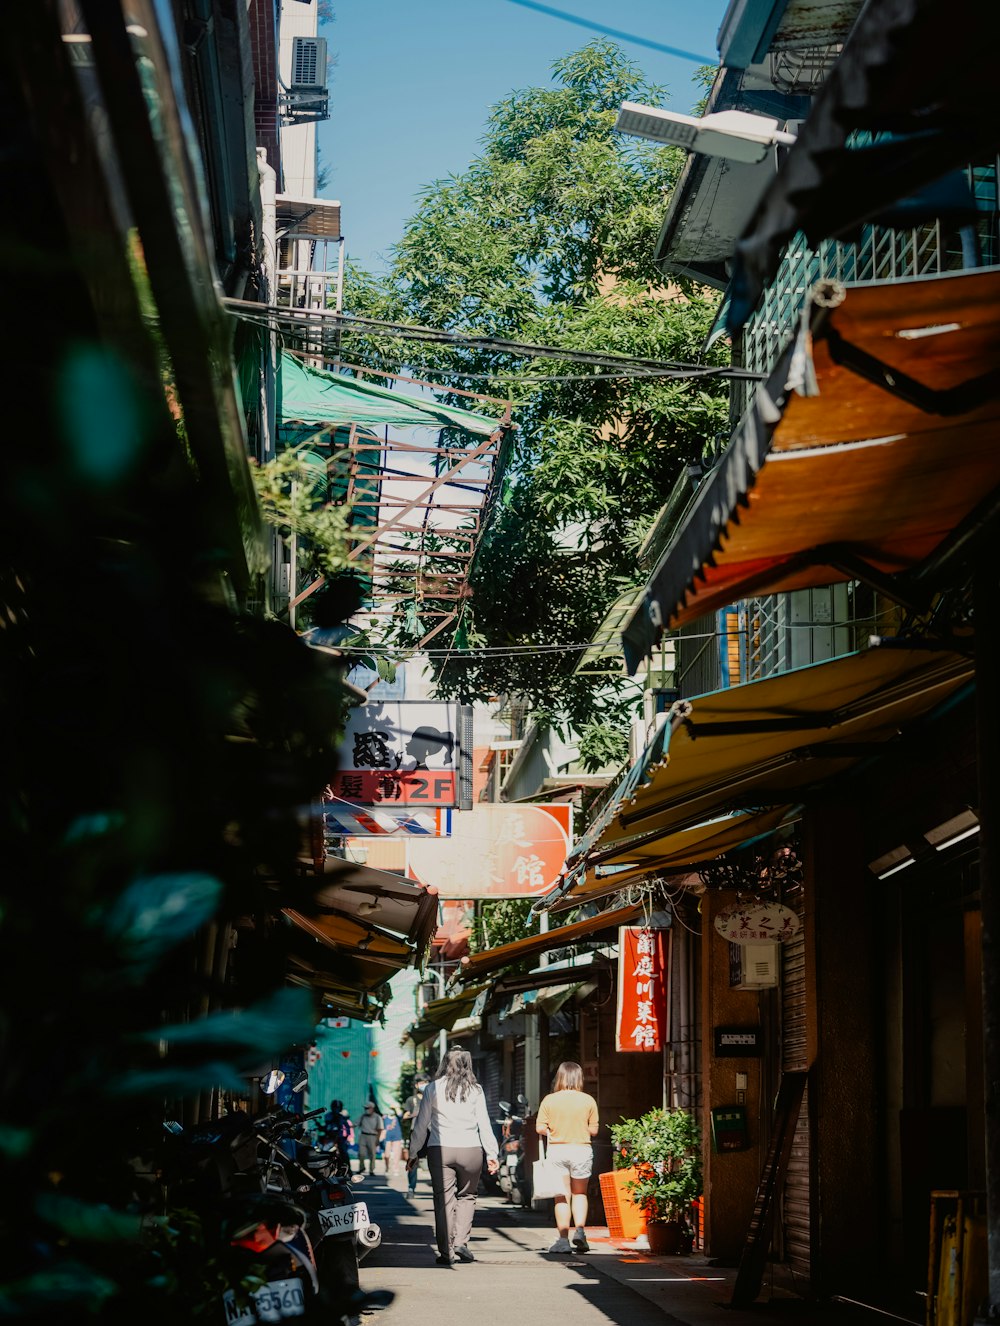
column 569, row 1077
column 458, row 1075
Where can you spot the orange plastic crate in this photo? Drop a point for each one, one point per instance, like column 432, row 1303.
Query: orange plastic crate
column 625, row 1219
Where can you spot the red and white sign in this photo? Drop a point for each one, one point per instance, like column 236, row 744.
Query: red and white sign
column 496, row 851
column 370, row 822
column 643, row 972
column 762, row 923
column 399, row 753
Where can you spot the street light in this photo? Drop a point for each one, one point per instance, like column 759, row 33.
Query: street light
column 736, row 135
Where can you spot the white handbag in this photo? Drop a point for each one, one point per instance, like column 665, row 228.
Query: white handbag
column 547, row 1178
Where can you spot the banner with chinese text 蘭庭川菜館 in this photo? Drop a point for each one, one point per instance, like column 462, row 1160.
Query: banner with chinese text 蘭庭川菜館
column 643, row 971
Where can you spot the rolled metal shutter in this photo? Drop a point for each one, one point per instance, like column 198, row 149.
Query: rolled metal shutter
column 796, row 1203
column 519, row 1068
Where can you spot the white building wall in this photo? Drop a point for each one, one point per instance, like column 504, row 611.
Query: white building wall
column 298, row 142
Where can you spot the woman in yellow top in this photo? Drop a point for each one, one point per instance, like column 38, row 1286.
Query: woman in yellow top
column 568, row 1118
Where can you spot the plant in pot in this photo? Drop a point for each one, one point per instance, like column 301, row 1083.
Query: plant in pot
column 663, row 1149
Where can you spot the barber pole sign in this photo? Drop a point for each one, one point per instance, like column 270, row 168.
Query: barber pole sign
column 643, row 984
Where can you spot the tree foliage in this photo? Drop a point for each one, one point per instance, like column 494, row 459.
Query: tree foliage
column 548, row 238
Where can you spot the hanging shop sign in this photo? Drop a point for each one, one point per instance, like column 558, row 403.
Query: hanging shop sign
column 374, row 821
column 643, row 972
column 411, row 753
column 496, row 851
column 758, row 923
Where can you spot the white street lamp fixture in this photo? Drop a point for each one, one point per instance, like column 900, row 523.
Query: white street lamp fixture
column 734, row 134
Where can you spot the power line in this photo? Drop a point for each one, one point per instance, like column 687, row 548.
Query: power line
column 291, row 321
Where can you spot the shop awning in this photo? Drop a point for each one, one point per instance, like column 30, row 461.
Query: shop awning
column 442, row 1014
column 892, row 449
column 769, row 743
column 309, row 395
column 377, row 897
column 478, row 964
column 612, row 868
column 912, row 69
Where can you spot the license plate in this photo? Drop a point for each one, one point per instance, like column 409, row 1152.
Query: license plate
column 277, row 1301
column 343, row 1219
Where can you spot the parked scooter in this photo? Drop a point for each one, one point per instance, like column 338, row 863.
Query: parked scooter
column 284, row 1208
column 338, row 1226
column 513, row 1173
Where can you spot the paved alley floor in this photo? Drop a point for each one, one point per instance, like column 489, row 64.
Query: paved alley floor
column 514, row 1281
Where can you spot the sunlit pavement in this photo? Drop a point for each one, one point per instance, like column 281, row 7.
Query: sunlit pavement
column 514, row 1279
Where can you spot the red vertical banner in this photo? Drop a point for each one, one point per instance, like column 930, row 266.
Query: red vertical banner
column 643, row 985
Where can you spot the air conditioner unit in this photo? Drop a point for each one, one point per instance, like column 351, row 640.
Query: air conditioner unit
column 754, row 966
column 308, row 62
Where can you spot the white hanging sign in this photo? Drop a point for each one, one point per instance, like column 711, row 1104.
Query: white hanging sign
column 759, row 923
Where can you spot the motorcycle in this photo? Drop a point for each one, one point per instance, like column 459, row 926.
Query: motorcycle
column 338, row 1226
column 284, row 1210
column 513, row 1174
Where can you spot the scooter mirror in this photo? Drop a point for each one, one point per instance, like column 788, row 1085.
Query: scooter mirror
column 271, row 1081
column 504, row 1105
column 299, row 1080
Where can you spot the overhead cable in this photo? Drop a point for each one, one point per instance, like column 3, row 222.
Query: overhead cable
column 290, row 320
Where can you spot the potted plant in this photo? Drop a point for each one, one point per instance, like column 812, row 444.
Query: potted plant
column 663, row 1149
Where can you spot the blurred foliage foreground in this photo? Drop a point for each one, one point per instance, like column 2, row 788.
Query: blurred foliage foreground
column 159, row 745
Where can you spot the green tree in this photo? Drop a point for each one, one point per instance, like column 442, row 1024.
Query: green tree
column 548, row 237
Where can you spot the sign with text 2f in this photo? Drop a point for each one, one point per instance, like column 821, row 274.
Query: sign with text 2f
column 399, row 753
column 643, row 972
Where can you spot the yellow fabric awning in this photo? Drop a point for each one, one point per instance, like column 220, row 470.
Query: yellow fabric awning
column 764, row 743
column 478, row 964
column 635, row 858
column 893, row 450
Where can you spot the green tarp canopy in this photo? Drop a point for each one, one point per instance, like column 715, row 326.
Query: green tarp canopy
column 311, row 396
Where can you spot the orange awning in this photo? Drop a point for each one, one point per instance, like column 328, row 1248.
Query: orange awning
column 865, row 478
column 478, row 964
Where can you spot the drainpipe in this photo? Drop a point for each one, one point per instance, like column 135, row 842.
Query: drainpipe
column 269, row 242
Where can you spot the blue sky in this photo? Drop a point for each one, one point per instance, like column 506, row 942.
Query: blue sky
column 415, row 79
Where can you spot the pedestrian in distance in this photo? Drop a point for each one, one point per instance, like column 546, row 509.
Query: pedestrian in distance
column 337, row 1131
column 454, row 1123
column 393, row 1140
column 568, row 1118
column 410, row 1111
column 371, row 1130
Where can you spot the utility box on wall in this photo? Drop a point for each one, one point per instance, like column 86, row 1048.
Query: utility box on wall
column 754, row 966
column 729, row 1128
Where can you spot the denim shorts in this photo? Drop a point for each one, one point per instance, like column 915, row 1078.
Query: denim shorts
column 576, row 1158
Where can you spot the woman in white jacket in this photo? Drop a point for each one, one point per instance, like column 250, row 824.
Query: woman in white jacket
column 454, row 1125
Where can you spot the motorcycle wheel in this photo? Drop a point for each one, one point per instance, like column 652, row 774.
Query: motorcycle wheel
column 337, row 1264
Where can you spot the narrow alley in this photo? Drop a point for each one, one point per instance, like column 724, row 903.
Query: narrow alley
column 515, row 1279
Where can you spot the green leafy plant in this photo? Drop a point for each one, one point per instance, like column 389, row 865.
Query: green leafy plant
column 548, row 237
column 664, row 1149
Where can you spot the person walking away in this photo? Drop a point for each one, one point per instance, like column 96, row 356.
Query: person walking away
column 393, row 1140
column 568, row 1118
column 371, row 1130
column 454, row 1123
column 410, row 1111
column 336, row 1127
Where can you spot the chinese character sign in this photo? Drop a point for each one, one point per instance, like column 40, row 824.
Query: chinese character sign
column 399, row 753
column 758, row 923
column 509, row 851
column 643, row 990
